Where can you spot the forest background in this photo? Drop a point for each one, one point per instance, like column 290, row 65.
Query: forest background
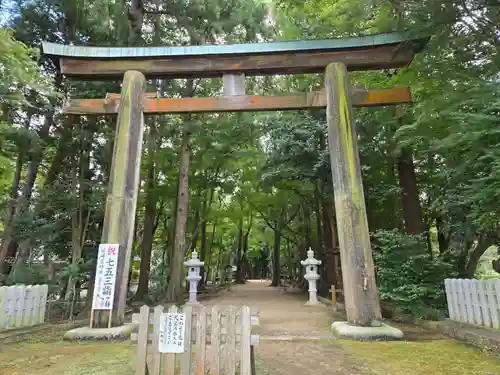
column 254, row 190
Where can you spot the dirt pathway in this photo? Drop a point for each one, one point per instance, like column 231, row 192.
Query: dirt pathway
column 294, row 338
column 282, row 315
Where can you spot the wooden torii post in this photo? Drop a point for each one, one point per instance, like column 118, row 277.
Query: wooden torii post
column 332, row 57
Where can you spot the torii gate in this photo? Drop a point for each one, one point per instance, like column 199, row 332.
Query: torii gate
column 334, row 57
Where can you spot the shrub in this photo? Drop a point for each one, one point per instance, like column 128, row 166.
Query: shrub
column 408, row 276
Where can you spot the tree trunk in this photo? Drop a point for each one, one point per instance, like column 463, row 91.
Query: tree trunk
column 76, row 221
column 239, row 276
column 306, row 211
column 149, row 220
column 136, row 17
column 11, row 247
column 203, row 246
column 411, row 202
column 276, row 281
column 442, row 237
column 479, row 249
column 174, row 290
column 208, row 263
column 81, row 215
column 319, row 230
column 64, row 145
column 24, row 200
column 195, row 232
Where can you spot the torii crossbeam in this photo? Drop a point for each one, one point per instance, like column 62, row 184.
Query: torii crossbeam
column 334, row 57
column 236, row 103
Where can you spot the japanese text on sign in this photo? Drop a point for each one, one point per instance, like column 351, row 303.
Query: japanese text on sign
column 104, row 289
column 172, row 330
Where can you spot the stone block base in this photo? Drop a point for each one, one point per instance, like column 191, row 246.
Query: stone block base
column 114, row 333
column 378, row 332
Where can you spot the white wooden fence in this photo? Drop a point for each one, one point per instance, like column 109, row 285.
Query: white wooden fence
column 474, row 301
column 217, row 340
column 22, row 305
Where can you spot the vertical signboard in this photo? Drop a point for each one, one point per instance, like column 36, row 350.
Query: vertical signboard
column 105, row 278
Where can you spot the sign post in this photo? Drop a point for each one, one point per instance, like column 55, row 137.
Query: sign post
column 105, row 280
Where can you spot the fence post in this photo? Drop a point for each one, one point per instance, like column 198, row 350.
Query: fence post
column 449, row 299
column 25, row 321
column 186, row 356
column 494, row 299
column 215, row 340
column 18, row 320
column 245, row 341
column 478, row 318
column 3, row 306
column 35, row 304
column 201, row 333
column 483, row 302
column 156, row 367
column 43, row 303
column 142, row 342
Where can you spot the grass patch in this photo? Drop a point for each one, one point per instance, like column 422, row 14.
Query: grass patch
column 436, row 357
column 51, row 356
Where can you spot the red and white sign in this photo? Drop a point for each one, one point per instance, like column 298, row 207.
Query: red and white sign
column 105, row 278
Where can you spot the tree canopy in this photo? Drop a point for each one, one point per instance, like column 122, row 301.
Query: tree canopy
column 258, row 186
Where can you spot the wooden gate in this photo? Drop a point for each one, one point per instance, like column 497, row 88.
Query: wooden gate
column 217, row 341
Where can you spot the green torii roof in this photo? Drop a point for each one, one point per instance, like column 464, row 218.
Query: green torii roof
column 230, row 49
column 289, row 57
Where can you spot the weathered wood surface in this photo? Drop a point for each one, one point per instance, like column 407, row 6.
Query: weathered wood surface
column 218, row 336
column 22, row 305
column 146, row 95
column 119, row 217
column 317, row 99
column 142, row 343
column 474, row 301
column 377, row 57
column 360, row 289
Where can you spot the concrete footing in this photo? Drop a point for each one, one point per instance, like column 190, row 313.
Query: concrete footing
column 88, row 334
column 378, row 331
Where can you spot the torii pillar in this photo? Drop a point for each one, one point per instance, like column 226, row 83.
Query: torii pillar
column 121, row 200
column 360, row 289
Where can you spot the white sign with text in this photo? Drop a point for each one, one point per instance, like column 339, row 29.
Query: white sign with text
column 172, row 331
column 105, row 278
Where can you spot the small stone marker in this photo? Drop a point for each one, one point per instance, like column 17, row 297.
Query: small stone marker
column 172, row 331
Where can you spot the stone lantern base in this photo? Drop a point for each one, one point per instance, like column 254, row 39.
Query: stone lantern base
column 312, row 303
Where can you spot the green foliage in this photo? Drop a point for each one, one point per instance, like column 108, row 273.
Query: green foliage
column 20, row 74
column 254, row 171
column 408, row 276
column 32, row 274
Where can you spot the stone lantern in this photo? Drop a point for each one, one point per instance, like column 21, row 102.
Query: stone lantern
column 311, row 265
column 194, row 266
